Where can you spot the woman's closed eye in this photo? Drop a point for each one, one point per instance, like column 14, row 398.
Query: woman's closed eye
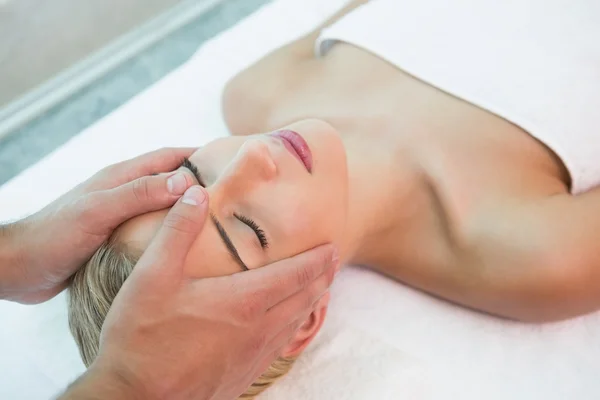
column 260, row 234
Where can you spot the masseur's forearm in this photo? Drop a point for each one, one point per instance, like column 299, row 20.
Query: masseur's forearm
column 10, row 259
column 99, row 384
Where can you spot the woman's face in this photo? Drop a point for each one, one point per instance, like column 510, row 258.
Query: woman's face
column 267, row 203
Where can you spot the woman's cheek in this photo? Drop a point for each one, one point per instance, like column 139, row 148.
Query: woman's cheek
column 311, row 230
column 297, row 232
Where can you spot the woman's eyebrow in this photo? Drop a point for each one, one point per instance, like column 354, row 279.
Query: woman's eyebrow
column 228, row 243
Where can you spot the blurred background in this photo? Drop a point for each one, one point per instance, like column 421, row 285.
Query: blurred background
column 66, row 63
column 42, row 38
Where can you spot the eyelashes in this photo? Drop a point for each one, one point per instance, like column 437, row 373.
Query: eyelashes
column 188, row 164
column 262, row 238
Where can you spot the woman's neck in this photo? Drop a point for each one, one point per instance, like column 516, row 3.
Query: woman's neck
column 380, row 182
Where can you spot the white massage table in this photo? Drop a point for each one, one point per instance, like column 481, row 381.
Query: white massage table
column 381, row 340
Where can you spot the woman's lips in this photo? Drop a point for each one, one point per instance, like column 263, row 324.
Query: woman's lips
column 297, row 146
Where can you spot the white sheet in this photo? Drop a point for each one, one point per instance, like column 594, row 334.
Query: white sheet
column 381, row 340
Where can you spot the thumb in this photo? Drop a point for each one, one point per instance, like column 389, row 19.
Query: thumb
column 142, row 195
column 180, row 228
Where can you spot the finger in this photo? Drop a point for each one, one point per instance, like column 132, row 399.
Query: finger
column 275, row 346
column 302, row 302
column 267, row 359
column 180, row 228
column 281, row 339
column 276, row 282
column 155, row 162
column 110, row 208
column 39, row 296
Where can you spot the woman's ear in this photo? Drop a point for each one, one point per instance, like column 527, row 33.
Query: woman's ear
column 308, row 330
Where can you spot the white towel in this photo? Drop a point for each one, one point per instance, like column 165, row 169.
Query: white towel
column 535, row 63
column 347, row 363
column 381, row 340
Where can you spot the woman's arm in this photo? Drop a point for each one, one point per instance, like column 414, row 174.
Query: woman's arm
column 535, row 262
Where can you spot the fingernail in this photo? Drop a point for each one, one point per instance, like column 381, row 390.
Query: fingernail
column 177, row 183
column 194, row 196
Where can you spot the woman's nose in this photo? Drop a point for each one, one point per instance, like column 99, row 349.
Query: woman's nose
column 254, row 159
column 252, row 165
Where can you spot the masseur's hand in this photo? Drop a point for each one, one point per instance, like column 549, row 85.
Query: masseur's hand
column 57, row 240
column 171, row 337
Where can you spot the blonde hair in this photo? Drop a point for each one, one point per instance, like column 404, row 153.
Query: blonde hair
column 92, row 291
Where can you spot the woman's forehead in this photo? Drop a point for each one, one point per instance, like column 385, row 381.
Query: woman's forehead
column 207, row 257
column 139, row 231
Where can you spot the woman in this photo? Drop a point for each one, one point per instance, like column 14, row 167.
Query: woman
column 472, row 178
